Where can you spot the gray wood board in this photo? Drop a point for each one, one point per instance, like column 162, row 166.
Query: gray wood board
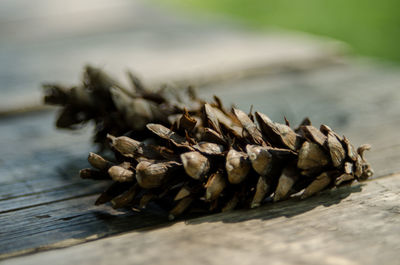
column 45, row 204
column 42, row 198
column 67, row 222
column 48, row 41
column 353, row 225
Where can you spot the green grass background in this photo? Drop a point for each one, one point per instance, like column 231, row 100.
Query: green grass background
column 370, row 27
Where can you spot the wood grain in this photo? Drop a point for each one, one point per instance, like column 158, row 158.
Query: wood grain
column 42, row 199
column 66, row 221
column 40, row 172
column 353, row 225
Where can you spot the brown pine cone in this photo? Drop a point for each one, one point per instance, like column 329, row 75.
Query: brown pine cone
column 190, row 155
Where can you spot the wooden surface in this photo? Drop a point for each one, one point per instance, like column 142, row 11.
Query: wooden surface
column 50, row 40
column 41, row 189
column 42, row 199
column 44, row 205
column 353, row 225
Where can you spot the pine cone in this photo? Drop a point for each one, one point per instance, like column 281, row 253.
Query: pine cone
column 113, row 108
column 203, row 158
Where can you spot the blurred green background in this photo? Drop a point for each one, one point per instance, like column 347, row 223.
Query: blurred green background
column 370, row 27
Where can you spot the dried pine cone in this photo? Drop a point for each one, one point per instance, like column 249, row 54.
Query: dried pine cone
column 204, row 157
column 114, row 108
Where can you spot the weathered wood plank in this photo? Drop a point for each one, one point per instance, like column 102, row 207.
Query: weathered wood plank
column 353, row 225
column 51, row 195
column 32, row 147
column 159, row 44
column 70, row 221
column 51, row 160
column 42, row 199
